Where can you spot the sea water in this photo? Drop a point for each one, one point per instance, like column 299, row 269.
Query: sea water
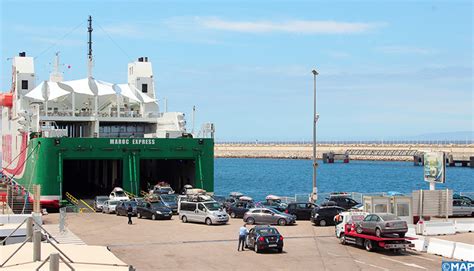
column 261, row 177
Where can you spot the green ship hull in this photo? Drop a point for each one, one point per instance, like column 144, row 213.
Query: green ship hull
column 85, row 167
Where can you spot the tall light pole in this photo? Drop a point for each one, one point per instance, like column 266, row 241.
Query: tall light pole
column 314, row 195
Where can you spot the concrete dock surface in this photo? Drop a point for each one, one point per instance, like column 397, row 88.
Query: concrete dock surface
column 173, row 245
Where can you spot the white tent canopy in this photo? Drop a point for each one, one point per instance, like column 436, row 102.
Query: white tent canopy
column 79, row 86
column 104, row 88
column 47, row 90
column 126, row 91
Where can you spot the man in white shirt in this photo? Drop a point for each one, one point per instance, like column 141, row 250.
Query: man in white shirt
column 242, row 234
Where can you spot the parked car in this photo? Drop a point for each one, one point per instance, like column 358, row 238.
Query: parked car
column 154, row 210
column 238, row 209
column 170, row 201
column 457, row 196
column 272, row 201
column 209, row 212
column 382, row 224
column 342, row 201
column 118, row 194
column 268, row 216
column 324, row 216
column 302, row 210
column 462, row 207
column 220, row 199
column 264, row 237
column 99, row 203
column 122, row 207
column 163, row 190
column 109, row 206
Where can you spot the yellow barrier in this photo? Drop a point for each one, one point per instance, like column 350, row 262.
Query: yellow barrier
column 75, row 201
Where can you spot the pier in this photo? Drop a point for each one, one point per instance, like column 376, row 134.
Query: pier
column 451, row 160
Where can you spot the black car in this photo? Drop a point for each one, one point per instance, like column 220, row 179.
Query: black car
column 324, row 216
column 153, row 210
column 341, row 201
column 170, row 201
column 238, row 209
column 122, row 207
column 264, row 237
column 302, row 210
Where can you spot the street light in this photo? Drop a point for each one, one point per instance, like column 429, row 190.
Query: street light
column 314, row 195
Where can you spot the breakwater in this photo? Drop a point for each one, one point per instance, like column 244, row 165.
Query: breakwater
column 305, row 151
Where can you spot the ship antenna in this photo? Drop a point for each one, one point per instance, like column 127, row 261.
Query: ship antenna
column 89, row 29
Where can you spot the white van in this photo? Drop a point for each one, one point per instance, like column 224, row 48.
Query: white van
column 209, row 212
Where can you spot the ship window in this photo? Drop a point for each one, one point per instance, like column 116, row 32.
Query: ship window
column 24, row 84
column 145, row 88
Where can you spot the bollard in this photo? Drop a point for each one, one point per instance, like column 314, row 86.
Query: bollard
column 54, row 262
column 37, row 246
column 29, row 228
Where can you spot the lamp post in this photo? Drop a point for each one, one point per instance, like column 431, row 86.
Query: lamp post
column 314, row 194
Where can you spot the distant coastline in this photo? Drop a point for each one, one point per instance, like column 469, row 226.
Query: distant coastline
column 305, row 151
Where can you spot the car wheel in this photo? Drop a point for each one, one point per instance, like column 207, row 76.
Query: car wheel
column 232, row 215
column 184, row 219
column 322, row 222
column 359, row 229
column 342, row 239
column 139, row 215
column 208, row 221
column 368, row 245
column 401, row 235
column 280, row 250
column 250, row 221
column 255, row 247
column 153, row 217
column 117, row 213
column 378, row 233
column 281, row 222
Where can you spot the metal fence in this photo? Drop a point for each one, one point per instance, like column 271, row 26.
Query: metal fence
column 357, row 196
column 352, row 142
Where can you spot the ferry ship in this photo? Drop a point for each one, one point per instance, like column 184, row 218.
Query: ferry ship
column 87, row 136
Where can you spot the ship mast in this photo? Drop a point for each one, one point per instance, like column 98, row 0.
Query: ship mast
column 89, row 54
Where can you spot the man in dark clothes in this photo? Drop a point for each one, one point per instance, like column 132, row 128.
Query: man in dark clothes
column 130, row 213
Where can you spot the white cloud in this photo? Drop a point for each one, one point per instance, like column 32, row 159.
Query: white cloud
column 292, row 26
column 400, row 49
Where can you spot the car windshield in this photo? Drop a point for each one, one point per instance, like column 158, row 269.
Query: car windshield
column 212, row 206
column 102, row 199
column 113, row 202
column 158, row 204
column 120, row 194
column 389, row 217
column 267, row 231
column 169, row 197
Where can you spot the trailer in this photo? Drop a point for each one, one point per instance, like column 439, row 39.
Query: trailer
column 371, row 242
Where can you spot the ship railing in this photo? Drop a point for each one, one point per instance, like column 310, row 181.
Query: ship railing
column 86, row 112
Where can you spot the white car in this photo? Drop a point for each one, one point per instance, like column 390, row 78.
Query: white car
column 118, row 195
column 109, row 206
column 462, row 207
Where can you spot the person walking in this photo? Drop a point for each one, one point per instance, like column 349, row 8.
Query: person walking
column 242, row 234
column 130, row 213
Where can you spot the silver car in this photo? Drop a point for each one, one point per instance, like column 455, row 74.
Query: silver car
column 109, row 206
column 462, row 207
column 381, row 224
column 268, row 216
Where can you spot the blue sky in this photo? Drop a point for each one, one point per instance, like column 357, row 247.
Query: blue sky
column 388, row 69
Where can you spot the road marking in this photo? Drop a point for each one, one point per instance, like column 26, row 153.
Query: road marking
column 424, row 258
column 371, row 265
column 404, row 263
